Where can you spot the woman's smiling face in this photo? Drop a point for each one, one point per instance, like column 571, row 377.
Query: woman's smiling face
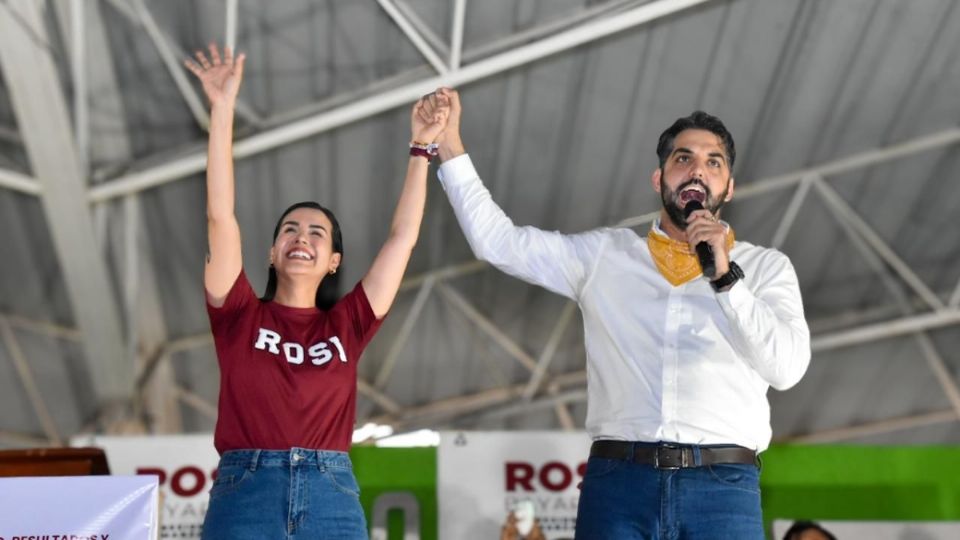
column 304, row 245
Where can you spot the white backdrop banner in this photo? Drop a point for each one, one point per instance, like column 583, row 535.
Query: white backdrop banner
column 184, row 465
column 481, row 476
column 79, row 508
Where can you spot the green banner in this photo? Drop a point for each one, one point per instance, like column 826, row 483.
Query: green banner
column 385, row 475
column 861, row 483
column 820, row 482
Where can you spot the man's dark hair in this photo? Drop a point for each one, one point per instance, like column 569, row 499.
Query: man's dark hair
column 329, row 290
column 697, row 120
column 799, row 527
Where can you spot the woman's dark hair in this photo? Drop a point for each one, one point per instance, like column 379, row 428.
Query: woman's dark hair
column 696, row 120
column 329, row 290
column 800, row 527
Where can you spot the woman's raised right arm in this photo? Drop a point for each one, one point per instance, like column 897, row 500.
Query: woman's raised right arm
column 221, row 78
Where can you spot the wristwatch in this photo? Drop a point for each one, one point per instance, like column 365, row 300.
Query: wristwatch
column 733, row 275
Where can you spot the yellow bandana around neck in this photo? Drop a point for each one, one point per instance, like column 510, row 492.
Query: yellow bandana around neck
column 675, row 260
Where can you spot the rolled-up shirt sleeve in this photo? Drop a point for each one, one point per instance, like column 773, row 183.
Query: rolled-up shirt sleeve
column 766, row 317
column 558, row 262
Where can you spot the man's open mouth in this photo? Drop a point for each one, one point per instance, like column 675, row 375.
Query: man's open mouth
column 693, row 192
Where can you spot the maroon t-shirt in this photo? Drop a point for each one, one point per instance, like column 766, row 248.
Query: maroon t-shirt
column 288, row 376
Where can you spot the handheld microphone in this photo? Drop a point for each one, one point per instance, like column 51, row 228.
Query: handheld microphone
column 704, row 251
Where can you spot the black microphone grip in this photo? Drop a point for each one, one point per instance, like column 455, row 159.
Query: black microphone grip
column 704, row 251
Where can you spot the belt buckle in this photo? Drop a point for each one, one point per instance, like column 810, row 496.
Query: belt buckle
column 671, row 467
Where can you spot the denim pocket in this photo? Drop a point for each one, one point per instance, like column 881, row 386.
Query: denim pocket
column 343, row 479
column 228, row 480
column 736, row 475
column 598, row 467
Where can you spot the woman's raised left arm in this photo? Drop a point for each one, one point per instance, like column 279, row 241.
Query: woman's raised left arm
column 383, row 279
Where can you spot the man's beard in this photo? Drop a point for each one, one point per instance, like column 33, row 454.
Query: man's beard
column 675, row 212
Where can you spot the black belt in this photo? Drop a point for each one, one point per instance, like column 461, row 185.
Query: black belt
column 671, row 456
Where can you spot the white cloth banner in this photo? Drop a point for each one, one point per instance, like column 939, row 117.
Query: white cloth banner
column 79, row 508
column 482, row 476
column 184, row 464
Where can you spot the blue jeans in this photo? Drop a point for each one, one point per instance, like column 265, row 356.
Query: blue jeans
column 624, row 500
column 288, row 494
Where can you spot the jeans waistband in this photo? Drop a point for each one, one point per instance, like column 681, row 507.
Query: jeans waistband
column 253, row 459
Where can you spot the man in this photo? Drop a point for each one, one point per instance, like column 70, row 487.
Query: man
column 678, row 364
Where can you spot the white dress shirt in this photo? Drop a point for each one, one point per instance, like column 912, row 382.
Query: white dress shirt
column 680, row 364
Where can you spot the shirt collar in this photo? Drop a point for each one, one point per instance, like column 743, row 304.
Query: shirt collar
column 655, row 226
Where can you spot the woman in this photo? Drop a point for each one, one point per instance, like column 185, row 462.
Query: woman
column 288, row 362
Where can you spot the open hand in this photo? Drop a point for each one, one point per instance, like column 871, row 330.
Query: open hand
column 220, row 76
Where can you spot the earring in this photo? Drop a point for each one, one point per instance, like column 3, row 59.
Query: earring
column 334, row 271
